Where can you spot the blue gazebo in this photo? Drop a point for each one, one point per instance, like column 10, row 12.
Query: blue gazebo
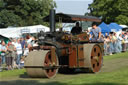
column 104, row 28
column 114, row 27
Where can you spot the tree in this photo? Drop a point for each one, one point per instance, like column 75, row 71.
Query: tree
column 8, row 18
column 110, row 10
column 24, row 12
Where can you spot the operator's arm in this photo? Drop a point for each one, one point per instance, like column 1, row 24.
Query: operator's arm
column 90, row 34
column 99, row 35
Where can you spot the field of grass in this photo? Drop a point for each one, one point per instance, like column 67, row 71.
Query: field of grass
column 119, row 55
column 11, row 73
column 115, row 77
column 119, row 77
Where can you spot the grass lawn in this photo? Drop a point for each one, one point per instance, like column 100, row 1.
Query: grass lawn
column 119, row 77
column 116, row 77
column 119, row 55
column 11, row 73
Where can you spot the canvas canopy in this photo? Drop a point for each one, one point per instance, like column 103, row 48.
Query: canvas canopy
column 114, row 27
column 71, row 18
column 15, row 32
column 104, row 28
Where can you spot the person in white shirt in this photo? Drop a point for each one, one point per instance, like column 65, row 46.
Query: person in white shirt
column 120, row 43
column 19, row 51
column 3, row 50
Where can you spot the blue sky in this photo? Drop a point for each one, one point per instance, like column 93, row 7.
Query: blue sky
column 73, row 6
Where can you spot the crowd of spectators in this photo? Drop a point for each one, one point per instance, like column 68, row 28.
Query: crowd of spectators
column 13, row 53
column 115, row 44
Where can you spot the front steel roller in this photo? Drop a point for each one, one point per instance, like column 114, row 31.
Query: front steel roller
column 93, row 57
column 41, row 64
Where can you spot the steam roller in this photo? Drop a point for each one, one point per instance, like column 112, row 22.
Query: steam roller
column 45, row 63
column 62, row 52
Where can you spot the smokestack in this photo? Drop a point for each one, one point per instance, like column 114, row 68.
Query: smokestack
column 52, row 20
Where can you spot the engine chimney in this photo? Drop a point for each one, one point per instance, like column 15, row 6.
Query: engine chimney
column 52, row 20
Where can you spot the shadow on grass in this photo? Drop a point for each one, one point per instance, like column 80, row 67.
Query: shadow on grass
column 35, row 82
column 24, row 75
column 77, row 71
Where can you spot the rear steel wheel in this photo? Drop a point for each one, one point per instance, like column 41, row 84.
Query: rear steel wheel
column 41, row 64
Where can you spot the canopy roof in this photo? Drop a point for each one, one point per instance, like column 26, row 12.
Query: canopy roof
column 115, row 26
column 104, row 28
column 70, row 18
column 15, row 32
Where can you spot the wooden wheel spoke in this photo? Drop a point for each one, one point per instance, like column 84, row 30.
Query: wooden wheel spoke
column 93, row 61
column 47, row 62
column 93, row 54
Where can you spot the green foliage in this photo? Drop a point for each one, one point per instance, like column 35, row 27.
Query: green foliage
column 24, row 12
column 110, row 10
column 8, row 16
column 122, row 19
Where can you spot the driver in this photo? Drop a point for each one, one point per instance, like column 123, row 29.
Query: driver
column 77, row 29
column 95, row 32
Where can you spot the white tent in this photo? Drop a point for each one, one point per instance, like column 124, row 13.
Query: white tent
column 14, row 32
column 34, row 29
column 124, row 26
